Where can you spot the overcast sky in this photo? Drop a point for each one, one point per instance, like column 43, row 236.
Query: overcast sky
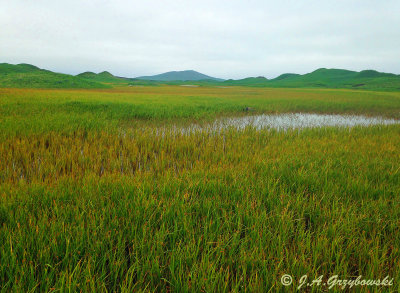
column 227, row 39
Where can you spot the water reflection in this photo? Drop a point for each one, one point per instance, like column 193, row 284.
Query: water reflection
column 290, row 121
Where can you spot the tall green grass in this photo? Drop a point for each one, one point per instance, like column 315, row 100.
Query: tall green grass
column 40, row 111
column 94, row 203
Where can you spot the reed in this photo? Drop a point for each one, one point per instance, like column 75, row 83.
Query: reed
column 101, row 205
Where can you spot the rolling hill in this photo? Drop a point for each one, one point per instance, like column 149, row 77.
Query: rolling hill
column 327, row 78
column 186, row 75
column 30, row 76
column 285, row 76
column 249, row 81
column 104, row 76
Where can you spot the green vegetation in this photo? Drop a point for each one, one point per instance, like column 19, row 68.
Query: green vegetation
column 328, row 78
column 250, row 81
column 40, row 111
column 93, row 198
column 104, row 76
column 29, row 76
column 321, row 78
column 286, row 76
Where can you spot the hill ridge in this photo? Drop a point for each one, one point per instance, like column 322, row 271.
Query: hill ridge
column 25, row 75
column 179, row 75
column 30, row 76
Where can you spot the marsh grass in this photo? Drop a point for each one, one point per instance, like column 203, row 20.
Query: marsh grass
column 25, row 111
column 90, row 209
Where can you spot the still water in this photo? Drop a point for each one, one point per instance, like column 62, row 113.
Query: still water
column 291, row 121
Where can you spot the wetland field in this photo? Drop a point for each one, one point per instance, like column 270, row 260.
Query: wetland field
column 197, row 189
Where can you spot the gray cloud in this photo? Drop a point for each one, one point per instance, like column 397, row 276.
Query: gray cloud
column 228, row 39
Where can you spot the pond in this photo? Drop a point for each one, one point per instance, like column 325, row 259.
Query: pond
column 291, row 121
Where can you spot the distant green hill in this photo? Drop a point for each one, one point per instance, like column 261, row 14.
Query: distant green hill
column 328, row 78
column 6, row 68
column 104, row 76
column 285, row 76
column 186, row 75
column 319, row 78
column 373, row 74
column 249, row 81
column 30, row 76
